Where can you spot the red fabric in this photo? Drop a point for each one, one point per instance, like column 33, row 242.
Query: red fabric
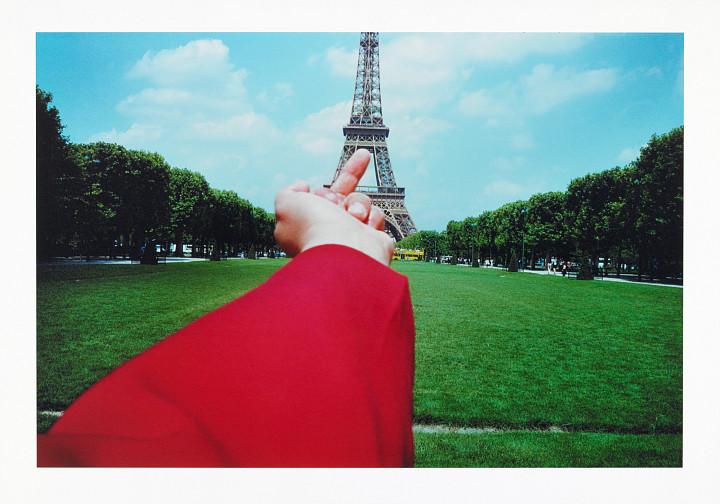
column 314, row 368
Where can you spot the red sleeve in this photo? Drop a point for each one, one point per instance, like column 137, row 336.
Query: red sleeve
column 314, row 368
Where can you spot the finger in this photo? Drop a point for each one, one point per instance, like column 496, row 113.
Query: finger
column 329, row 195
column 358, row 205
column 352, row 172
column 297, row 186
column 282, row 198
column 377, row 218
column 389, row 248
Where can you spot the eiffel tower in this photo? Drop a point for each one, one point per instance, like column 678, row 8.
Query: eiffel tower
column 367, row 130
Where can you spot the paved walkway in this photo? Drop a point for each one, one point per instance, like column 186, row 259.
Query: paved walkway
column 602, row 279
column 83, row 262
column 170, row 260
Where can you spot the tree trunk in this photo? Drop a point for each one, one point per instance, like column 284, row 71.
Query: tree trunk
column 179, row 243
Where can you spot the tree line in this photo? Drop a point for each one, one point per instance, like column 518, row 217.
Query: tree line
column 631, row 217
column 102, row 199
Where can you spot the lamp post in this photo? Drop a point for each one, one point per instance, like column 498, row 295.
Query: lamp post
column 522, row 261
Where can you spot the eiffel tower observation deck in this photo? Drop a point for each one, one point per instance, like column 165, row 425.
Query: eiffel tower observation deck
column 367, row 130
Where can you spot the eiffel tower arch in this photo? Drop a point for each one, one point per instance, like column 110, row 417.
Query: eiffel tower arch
column 366, row 130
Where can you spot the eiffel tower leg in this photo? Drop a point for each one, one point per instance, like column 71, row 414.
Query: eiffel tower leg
column 398, row 222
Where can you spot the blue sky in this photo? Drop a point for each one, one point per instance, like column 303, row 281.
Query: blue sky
column 476, row 120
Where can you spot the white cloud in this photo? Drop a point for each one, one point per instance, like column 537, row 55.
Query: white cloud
column 506, row 164
column 504, row 189
column 410, row 133
column 341, row 61
column 281, row 91
column 195, row 94
column 195, row 110
column 320, row 135
column 543, row 89
column 628, row 154
column 187, row 83
column 487, row 103
column 188, row 86
column 321, row 131
column 421, row 71
column 546, row 87
column 138, row 136
column 196, row 61
column 522, row 141
column 157, row 102
column 250, row 126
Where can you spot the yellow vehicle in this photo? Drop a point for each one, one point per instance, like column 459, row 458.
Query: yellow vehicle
column 408, row 255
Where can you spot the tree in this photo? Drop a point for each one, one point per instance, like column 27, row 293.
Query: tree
column 586, row 200
column 432, row 242
column 189, row 195
column 98, row 202
column 144, row 190
column 265, row 226
column 486, row 234
column 455, row 233
column 226, row 211
column 657, row 199
column 513, row 263
column 471, row 238
column 510, row 224
column 546, row 215
column 125, row 196
column 57, row 180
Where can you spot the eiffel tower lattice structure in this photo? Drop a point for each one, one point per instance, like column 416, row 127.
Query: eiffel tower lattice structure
column 367, row 130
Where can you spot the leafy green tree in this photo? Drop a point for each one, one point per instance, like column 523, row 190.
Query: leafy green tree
column 432, row 242
column 471, row 238
column 125, row 196
column 189, row 195
column 99, row 203
column 57, row 181
column 413, row 241
column 510, row 225
column 227, row 212
column 586, row 200
column 145, row 195
column 546, row 223
column 512, row 263
column 487, row 234
column 265, row 225
column 617, row 216
column 657, row 198
column 456, row 240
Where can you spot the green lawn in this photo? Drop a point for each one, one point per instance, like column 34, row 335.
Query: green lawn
column 494, row 349
column 520, row 350
column 548, row 449
column 93, row 318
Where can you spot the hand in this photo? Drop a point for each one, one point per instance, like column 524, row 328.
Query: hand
column 333, row 216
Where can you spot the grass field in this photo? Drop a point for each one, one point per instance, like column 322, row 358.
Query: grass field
column 600, row 360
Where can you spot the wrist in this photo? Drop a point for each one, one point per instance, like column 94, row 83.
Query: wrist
column 375, row 247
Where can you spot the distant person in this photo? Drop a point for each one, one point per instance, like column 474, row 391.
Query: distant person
column 314, row 368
